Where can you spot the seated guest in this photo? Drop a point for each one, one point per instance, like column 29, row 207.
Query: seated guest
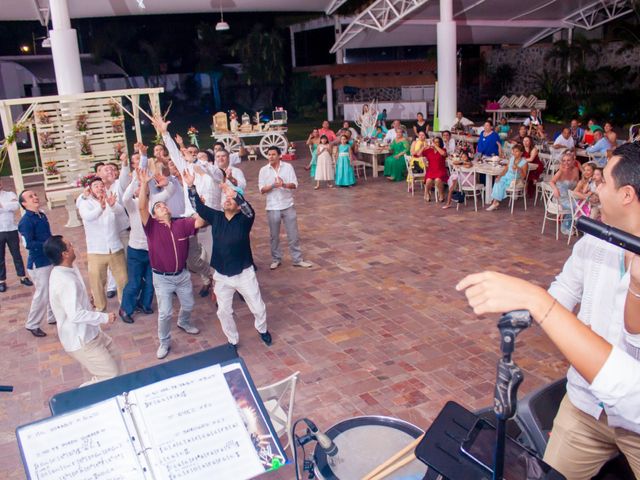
column 380, row 133
column 531, row 154
column 460, row 123
column 326, row 131
column 465, row 162
column 436, row 168
column 420, row 125
column 564, row 140
column 522, row 132
column 540, row 135
column 395, row 168
column 449, row 142
column 347, row 128
column 594, row 199
column 78, row 323
column 565, row 179
column 576, row 132
column 585, row 187
column 608, row 128
column 489, row 142
column 503, row 129
column 533, row 121
column 515, row 171
column 391, row 133
column 601, row 143
column 417, row 147
column 588, row 138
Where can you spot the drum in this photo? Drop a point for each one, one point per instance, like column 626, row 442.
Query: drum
column 363, row 444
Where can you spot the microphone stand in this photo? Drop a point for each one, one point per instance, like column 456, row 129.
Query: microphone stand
column 508, row 379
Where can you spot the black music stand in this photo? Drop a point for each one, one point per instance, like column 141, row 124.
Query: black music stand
column 81, row 397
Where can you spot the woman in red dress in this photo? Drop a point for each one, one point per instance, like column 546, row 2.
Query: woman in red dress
column 531, row 154
column 437, row 173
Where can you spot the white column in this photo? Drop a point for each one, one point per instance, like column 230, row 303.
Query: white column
column 292, row 39
column 35, row 88
column 65, row 51
column 447, row 77
column 338, row 31
column 329, row 97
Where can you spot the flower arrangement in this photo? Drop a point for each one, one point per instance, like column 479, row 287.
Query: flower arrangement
column 42, row 117
column 81, row 123
column 50, row 169
column 117, row 125
column 46, row 141
column 84, row 180
column 17, row 128
column 116, row 111
column 192, row 133
column 85, row 147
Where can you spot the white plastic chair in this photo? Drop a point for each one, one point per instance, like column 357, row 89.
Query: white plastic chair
column 577, row 211
column 279, row 405
column 468, row 184
column 518, row 189
column 552, row 208
column 412, row 177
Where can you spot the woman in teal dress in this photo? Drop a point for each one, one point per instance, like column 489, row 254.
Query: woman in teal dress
column 395, row 168
column 516, row 170
column 312, row 142
column 345, row 177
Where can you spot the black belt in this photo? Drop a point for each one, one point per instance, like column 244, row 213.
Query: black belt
column 167, row 274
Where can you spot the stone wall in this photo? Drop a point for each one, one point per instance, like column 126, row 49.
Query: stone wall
column 532, row 60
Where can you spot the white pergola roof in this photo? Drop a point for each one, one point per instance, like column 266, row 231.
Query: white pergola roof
column 37, row 9
column 413, row 22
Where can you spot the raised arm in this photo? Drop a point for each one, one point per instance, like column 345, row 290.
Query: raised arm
column 162, row 127
column 143, row 204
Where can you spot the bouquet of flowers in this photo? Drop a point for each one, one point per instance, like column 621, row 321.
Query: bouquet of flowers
column 85, row 147
column 116, row 111
column 50, row 169
column 81, row 123
column 192, row 133
column 83, row 181
column 42, row 117
column 118, row 149
column 117, row 125
column 46, row 141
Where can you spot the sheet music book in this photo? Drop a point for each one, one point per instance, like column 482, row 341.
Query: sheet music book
column 209, row 423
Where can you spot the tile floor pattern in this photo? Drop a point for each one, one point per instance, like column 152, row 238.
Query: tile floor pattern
column 375, row 327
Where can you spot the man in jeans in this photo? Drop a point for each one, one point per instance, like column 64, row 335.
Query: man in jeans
column 34, row 228
column 277, row 180
column 168, row 240
column 9, row 237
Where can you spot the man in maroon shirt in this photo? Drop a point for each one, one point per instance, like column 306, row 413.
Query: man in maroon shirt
column 168, row 240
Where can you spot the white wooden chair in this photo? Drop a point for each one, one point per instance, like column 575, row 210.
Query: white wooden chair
column 468, row 184
column 550, row 168
column 552, row 208
column 412, row 177
column 577, row 211
column 599, row 159
column 518, row 189
column 360, row 166
column 278, row 399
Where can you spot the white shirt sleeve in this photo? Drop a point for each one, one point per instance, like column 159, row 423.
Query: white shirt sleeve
column 262, row 178
column 73, row 309
column 617, row 385
column 567, row 287
column 89, row 210
column 239, row 176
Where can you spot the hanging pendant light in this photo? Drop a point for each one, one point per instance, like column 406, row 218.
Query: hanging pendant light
column 221, row 26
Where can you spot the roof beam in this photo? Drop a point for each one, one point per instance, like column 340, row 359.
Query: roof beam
column 42, row 13
column 589, row 17
column 529, row 12
column 491, row 23
column 466, row 9
column 379, row 16
column 334, row 5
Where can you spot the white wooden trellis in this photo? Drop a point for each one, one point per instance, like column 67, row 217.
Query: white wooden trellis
column 63, row 112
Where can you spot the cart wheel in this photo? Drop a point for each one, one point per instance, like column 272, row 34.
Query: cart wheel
column 273, row 140
column 231, row 144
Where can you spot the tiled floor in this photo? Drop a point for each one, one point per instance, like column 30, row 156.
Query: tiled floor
column 375, row 327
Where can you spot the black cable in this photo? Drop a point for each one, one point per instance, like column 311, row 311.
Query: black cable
column 295, row 448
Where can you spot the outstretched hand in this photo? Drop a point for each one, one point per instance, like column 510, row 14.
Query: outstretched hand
column 228, row 190
column 188, row 177
column 143, row 175
column 111, row 199
column 160, row 125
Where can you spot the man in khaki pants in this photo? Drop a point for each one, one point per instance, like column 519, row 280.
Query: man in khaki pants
column 99, row 212
column 78, row 324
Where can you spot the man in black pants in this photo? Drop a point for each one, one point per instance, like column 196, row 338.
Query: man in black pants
column 9, row 237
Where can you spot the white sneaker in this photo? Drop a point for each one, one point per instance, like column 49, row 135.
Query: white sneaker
column 163, row 351
column 303, row 264
column 491, row 208
column 190, row 329
column 275, row 264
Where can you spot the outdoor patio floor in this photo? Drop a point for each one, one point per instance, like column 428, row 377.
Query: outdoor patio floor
column 375, row 327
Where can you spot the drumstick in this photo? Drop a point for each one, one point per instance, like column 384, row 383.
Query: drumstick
column 392, row 468
column 389, row 461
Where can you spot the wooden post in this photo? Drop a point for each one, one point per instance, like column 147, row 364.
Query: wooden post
column 135, row 100
column 12, row 150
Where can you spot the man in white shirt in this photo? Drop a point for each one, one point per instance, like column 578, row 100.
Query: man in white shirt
column 277, row 180
column 78, row 324
column 9, row 237
column 234, row 176
column 99, row 213
column 390, row 136
column 588, row 429
column 460, row 123
column 564, row 140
